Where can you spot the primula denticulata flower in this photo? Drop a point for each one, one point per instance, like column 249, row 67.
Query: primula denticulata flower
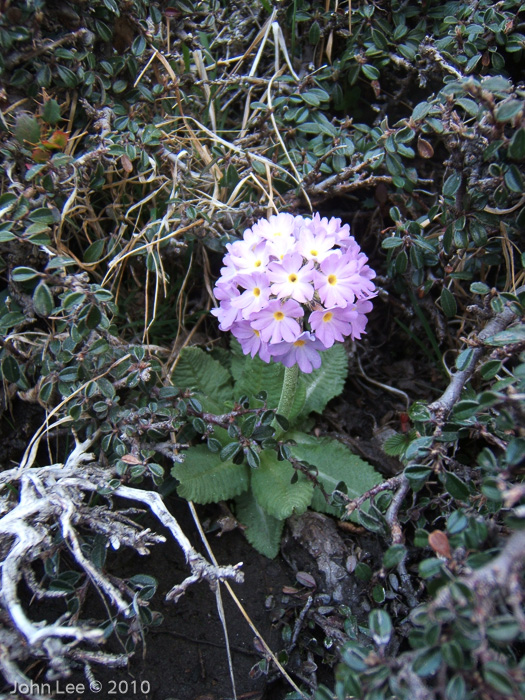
column 292, row 287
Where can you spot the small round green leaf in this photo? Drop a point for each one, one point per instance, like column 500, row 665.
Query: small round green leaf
column 10, row 369
column 380, row 626
column 448, row 303
column 43, row 300
column 22, row 274
column 452, row 185
column 508, row 110
column 229, row 451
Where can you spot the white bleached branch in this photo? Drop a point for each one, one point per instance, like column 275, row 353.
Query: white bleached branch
column 54, row 499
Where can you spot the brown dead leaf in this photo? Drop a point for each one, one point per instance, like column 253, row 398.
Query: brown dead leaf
column 438, row 540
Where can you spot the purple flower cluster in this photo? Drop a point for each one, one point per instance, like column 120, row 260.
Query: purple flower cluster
column 292, row 287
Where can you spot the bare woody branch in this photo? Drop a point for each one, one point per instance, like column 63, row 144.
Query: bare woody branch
column 54, row 497
column 442, row 407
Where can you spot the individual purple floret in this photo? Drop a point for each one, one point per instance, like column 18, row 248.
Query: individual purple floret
column 277, row 321
column 292, row 278
column 303, row 352
column 292, row 287
column 250, row 340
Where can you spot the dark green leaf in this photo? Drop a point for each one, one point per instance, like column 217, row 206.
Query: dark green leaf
column 67, row 76
column 470, row 106
column 370, row 522
column 22, row 274
column 10, row 369
column 262, row 431
column 314, row 33
column 112, row 6
column 93, row 317
column 457, row 522
column 214, row 445
column 283, row 422
column 503, row 628
column 448, row 303
column 229, row 451
column 363, row 572
column 379, row 39
column 427, row 662
column 517, row 145
column 354, row 656
column 380, row 626
column 418, row 448
column 378, row 593
column 156, row 469
column 392, row 242
column 94, row 251
column 452, row 184
column 200, row 427
column 138, row 46
column 508, row 110
column 465, row 409
column 73, row 299
column 252, row 457
column 394, row 555
column 479, row 288
column 429, row 567
column 456, row 487
column 453, row 654
column 497, row 676
column 456, row 689
column 515, row 453
column 417, row 474
column 490, row 369
column 516, row 334
column 418, row 412
column 464, row 358
column 43, row 300
column 370, row 71
column 513, row 179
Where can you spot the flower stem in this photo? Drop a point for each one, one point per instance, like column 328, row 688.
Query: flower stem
column 291, row 375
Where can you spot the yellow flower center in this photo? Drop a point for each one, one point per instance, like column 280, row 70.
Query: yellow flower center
column 258, row 263
column 256, row 292
column 300, row 343
column 332, row 279
column 278, row 315
column 256, row 332
column 292, row 277
column 314, row 253
column 327, row 316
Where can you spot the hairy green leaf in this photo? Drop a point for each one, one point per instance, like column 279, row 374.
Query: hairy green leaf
column 273, row 490
column 335, row 463
column 327, row 381
column 263, row 531
column 204, row 478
